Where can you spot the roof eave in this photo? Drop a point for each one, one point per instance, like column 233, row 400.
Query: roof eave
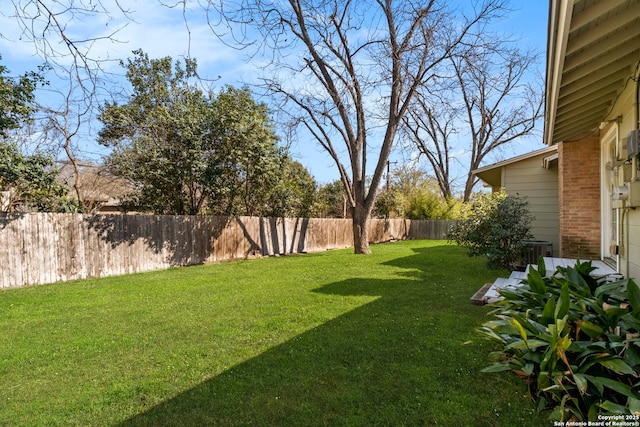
column 557, row 35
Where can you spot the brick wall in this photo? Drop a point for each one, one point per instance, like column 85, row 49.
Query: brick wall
column 579, row 198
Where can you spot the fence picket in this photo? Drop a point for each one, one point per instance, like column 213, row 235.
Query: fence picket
column 39, row 248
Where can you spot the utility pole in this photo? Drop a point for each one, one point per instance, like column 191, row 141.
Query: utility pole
column 389, row 172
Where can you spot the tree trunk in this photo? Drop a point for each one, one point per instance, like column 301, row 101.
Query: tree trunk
column 360, row 221
column 469, row 183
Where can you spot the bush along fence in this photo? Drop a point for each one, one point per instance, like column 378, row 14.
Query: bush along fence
column 41, row 248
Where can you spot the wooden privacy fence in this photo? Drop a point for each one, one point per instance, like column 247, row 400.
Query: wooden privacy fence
column 43, row 248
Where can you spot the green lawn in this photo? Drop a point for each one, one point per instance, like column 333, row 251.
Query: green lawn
column 320, row 339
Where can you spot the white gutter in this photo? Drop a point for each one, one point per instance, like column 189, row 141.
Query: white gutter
column 560, row 12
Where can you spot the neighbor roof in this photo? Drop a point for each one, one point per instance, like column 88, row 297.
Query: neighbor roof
column 593, row 50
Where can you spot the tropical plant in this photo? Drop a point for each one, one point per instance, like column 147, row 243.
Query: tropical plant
column 574, row 339
column 497, row 226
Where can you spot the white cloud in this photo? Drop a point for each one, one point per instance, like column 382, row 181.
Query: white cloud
column 158, row 30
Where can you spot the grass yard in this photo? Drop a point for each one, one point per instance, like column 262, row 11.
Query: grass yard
column 319, row 339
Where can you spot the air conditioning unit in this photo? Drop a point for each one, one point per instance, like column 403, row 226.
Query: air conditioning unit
column 633, row 143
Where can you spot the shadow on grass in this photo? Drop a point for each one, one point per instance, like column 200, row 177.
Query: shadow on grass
column 398, row 360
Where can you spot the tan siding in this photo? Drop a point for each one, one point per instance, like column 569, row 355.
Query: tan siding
column 633, row 245
column 540, row 195
column 540, row 186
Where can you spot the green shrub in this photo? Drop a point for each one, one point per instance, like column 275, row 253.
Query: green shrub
column 496, row 226
column 574, row 339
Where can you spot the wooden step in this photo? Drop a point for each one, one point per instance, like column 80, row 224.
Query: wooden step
column 478, row 297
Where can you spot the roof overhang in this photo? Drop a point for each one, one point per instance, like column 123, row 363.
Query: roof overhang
column 492, row 174
column 593, row 49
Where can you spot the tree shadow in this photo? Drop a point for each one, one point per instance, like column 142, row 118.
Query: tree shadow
column 189, row 240
column 185, row 240
column 280, row 236
column 398, row 359
column 6, row 218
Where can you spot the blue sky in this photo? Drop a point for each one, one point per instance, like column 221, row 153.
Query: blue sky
column 161, row 31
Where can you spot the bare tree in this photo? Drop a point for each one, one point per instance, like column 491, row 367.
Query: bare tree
column 65, row 113
column 63, row 124
column 431, row 126
column 492, row 98
column 347, row 72
column 50, row 26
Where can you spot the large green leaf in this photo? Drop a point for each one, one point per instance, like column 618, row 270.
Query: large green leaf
column 534, row 279
column 519, row 328
column 528, row 368
column 614, row 385
column 528, row 344
column 581, row 382
column 606, row 288
column 591, row 345
column 501, row 326
column 628, row 321
column 491, row 335
column 574, row 276
column 589, row 359
column 589, row 351
column 548, row 311
column 526, row 323
column 498, row 367
column 541, row 265
column 589, row 328
column 632, row 355
column 559, row 327
column 613, row 408
column 593, row 412
column 617, row 365
column 562, row 308
column 614, row 314
column 634, row 405
column 633, row 291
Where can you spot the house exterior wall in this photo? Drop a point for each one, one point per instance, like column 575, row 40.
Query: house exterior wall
column 579, row 198
column 530, row 179
column 631, row 258
column 628, row 219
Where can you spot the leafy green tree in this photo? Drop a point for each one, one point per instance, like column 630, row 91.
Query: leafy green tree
column 190, row 152
column 30, row 182
column 27, row 182
column 332, row 201
column 294, row 194
column 246, row 162
column 158, row 136
column 16, row 98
